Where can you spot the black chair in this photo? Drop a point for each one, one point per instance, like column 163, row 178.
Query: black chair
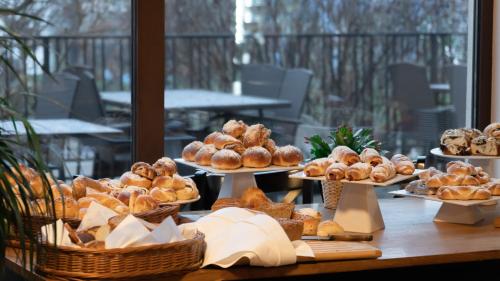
column 55, row 98
column 261, row 80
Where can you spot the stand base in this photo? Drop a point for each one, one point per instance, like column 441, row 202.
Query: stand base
column 458, row 214
column 358, row 209
column 234, row 184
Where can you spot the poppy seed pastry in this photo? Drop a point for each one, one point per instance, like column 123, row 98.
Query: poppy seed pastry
column 190, row 150
column 454, row 142
column 226, row 159
column 256, row 157
column 287, row 156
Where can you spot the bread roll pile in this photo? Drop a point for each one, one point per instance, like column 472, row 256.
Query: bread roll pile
column 240, row 145
column 467, row 141
column 462, row 181
column 344, row 163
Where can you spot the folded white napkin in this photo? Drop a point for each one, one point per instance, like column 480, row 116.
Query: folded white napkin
column 234, row 233
column 61, row 237
column 96, row 215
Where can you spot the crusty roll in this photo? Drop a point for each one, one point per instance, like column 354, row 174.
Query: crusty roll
column 204, row 155
column 493, row 187
column 62, row 190
column 131, row 179
column 460, row 168
column 370, row 156
column 229, row 142
column 123, row 196
column 310, row 218
column 470, row 180
column 187, row 193
column 428, row 173
column 210, row 139
column 492, row 130
column 163, row 195
column 344, row 154
column 111, row 183
column 287, row 156
column 108, row 201
column 178, row 182
column 317, row 167
column 463, row 193
column 165, row 167
column 81, row 183
column 403, row 164
column 270, row 145
column 141, row 203
column 329, row 227
column 358, row 171
column 439, row 180
column 190, row 150
column 143, row 169
column 163, row 182
column 64, row 208
column 226, row 159
column 277, row 210
column 292, row 227
column 256, row 157
column 85, row 202
column 256, row 135
column 225, row 203
column 253, row 197
column 383, row 172
column 234, row 128
column 336, row 171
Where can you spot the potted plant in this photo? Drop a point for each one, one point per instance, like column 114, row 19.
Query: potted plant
column 343, row 135
column 16, row 194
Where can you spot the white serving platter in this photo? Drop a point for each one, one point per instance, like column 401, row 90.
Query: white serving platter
column 237, row 171
column 396, row 179
column 438, row 152
column 435, row 198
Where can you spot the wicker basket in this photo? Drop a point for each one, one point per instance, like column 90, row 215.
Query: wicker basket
column 159, row 214
column 83, row 264
column 331, row 193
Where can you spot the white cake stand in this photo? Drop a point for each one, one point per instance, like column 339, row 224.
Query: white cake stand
column 454, row 211
column 358, row 209
column 236, row 181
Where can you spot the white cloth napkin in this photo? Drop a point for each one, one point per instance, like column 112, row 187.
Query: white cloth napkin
column 61, row 237
column 234, row 233
column 96, row 215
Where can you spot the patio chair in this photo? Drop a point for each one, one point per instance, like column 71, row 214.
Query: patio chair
column 56, row 96
column 261, row 80
column 457, row 77
column 414, row 107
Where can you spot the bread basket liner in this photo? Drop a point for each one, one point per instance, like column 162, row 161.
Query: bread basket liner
column 81, row 263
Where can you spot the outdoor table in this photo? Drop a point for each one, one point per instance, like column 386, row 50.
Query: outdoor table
column 63, row 126
column 197, row 99
column 410, row 239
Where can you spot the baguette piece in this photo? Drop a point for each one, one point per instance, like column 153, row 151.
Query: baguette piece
column 403, row 164
column 463, row 193
column 329, row 227
column 371, row 156
column 358, row 171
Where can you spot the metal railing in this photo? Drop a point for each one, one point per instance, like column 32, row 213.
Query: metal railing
column 352, row 67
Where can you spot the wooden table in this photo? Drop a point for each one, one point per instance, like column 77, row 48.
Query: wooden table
column 410, row 239
column 196, row 99
column 60, row 126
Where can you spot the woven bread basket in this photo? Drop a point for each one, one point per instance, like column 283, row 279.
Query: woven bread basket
column 70, row 263
column 159, row 214
column 331, row 193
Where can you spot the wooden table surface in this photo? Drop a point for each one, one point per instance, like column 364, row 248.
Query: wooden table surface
column 197, row 99
column 410, row 238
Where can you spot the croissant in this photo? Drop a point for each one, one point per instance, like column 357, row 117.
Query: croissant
column 444, row 179
column 317, row 167
column 358, row 171
column 383, row 172
column 81, row 183
column 336, row 171
column 229, row 142
column 344, row 154
column 463, row 193
column 403, row 164
column 370, row 156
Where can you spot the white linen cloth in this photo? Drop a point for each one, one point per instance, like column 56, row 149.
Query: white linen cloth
column 235, row 233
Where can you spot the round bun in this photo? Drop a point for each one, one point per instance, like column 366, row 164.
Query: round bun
column 492, row 130
column 270, row 145
column 165, row 167
column 226, row 159
column 288, row 155
column 234, row 128
column 204, row 155
column 210, row 139
column 190, row 150
column 187, row 193
column 178, row 182
column 129, row 178
column 66, row 208
column 229, row 142
column 163, row 195
column 124, row 196
column 256, row 157
column 143, row 169
column 254, row 197
column 162, row 182
column 256, row 135
column 142, row 203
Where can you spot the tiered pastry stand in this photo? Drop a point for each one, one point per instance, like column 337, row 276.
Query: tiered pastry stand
column 454, row 211
column 236, row 181
column 358, row 209
column 468, row 158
